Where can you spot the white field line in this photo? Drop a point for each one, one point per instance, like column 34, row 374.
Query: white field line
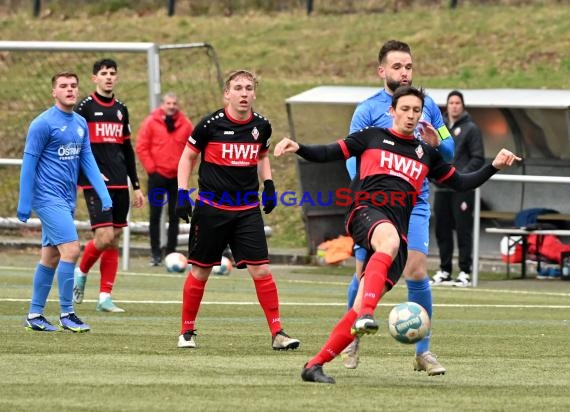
column 342, row 283
column 280, row 279
column 332, row 304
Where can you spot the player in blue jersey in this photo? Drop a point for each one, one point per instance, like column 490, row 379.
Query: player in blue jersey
column 395, row 69
column 57, row 147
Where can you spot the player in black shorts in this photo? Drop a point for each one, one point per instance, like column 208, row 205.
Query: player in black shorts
column 110, row 137
column 393, row 165
column 233, row 143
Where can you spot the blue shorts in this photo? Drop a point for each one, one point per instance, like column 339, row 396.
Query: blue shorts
column 360, row 253
column 418, row 231
column 57, row 225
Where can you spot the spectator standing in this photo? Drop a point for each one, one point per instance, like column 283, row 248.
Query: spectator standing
column 160, row 143
column 454, row 210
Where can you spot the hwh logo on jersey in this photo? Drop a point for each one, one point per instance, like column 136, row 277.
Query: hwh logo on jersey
column 240, row 151
column 108, row 129
column 401, row 164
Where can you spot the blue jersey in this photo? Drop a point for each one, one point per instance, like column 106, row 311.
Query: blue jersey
column 374, row 112
column 59, row 141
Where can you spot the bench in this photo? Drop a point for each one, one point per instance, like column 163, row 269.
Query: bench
column 524, row 233
column 510, row 216
column 497, row 215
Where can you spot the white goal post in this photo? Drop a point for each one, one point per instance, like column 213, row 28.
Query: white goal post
column 145, row 69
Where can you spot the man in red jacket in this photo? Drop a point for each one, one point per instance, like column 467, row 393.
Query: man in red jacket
column 160, row 142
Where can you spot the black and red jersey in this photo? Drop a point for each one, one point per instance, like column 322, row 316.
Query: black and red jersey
column 230, row 151
column 110, row 137
column 391, row 171
column 392, row 168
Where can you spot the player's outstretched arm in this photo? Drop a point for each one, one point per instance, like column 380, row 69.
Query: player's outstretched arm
column 505, row 158
column 286, row 145
column 320, row 153
column 469, row 181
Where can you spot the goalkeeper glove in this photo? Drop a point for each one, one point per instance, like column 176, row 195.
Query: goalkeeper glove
column 268, row 198
column 183, row 206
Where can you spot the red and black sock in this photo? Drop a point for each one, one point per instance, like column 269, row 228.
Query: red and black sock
column 339, row 339
column 108, row 268
column 374, row 281
column 266, row 290
column 191, row 299
column 90, row 256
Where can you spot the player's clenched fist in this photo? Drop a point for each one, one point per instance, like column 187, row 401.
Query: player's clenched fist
column 505, row 158
column 285, row 146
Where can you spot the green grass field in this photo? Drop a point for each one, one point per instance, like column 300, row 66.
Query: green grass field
column 505, row 345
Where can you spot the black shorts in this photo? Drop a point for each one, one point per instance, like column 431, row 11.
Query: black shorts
column 212, row 229
column 117, row 217
column 362, row 223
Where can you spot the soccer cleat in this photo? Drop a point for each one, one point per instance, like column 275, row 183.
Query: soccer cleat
column 463, row 280
column 282, row 341
column 40, row 324
column 350, row 354
column 428, row 362
column 316, row 374
column 186, row 340
column 79, row 280
column 73, row 323
column 364, row 325
column 442, row 278
column 108, row 306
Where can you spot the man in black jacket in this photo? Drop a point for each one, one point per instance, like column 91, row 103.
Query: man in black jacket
column 454, row 210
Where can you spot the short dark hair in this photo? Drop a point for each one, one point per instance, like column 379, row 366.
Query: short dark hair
column 63, row 74
column 108, row 63
column 390, row 46
column 458, row 94
column 238, row 73
column 407, row 90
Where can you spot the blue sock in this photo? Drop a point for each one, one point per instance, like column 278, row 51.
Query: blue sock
column 43, row 279
column 419, row 291
column 65, row 284
column 352, row 291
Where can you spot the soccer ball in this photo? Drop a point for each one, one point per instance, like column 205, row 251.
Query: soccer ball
column 175, row 262
column 408, row 322
column 224, row 268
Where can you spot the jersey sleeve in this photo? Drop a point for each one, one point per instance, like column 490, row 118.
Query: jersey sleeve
column 37, row 138
column 267, row 137
column 130, row 162
column 357, row 142
column 360, row 119
column 81, row 109
column 126, row 124
column 353, row 145
column 432, row 114
column 439, row 169
column 198, row 140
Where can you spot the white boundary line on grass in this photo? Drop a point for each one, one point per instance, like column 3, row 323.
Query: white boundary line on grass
column 251, row 303
column 316, row 282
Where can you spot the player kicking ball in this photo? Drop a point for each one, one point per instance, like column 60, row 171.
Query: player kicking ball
column 392, row 162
